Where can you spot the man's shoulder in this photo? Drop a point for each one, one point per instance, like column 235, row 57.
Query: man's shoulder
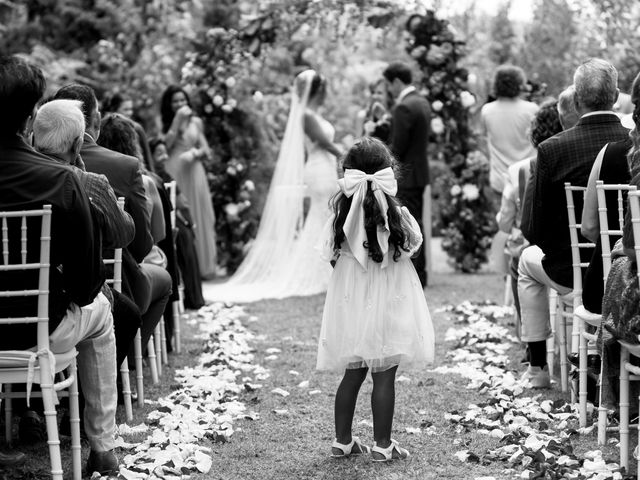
column 96, row 154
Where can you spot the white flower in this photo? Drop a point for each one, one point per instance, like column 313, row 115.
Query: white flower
column 467, row 99
column 231, row 170
column 455, row 190
column 232, row 102
column 258, row 96
column 470, row 192
column 218, row 101
column 249, row 186
column 208, row 108
column 230, row 82
column 239, row 167
column 437, row 106
column 437, row 125
column 232, row 210
column 227, row 108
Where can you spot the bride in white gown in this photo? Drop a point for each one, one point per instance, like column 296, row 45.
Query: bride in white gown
column 283, row 260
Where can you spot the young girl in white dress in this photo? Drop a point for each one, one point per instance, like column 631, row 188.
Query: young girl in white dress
column 375, row 313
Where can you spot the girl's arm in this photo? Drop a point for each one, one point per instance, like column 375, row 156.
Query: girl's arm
column 412, row 231
column 183, row 114
column 154, row 204
column 314, row 131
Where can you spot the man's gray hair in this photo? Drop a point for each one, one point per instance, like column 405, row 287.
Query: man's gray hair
column 596, row 84
column 57, row 125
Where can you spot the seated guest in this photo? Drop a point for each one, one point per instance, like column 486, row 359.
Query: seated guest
column 140, row 283
column 612, row 166
column 79, row 315
column 565, row 157
column 123, row 104
column 545, row 124
column 152, row 290
column 186, row 254
column 58, row 131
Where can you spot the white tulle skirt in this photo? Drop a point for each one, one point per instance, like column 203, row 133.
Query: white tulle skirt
column 375, row 318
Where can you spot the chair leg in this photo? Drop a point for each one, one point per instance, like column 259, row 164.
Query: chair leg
column 151, row 354
column 53, row 439
column 163, row 343
column 126, row 389
column 137, row 352
column 582, row 375
column 74, row 420
column 176, row 326
column 624, row 408
column 562, row 340
column 551, row 346
column 8, row 415
column 157, row 338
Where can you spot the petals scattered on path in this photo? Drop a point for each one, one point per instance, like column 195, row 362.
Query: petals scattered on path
column 534, row 432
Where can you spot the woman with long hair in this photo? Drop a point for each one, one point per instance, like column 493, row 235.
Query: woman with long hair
column 188, row 149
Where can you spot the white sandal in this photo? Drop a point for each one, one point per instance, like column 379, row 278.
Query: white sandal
column 392, row 452
column 348, row 449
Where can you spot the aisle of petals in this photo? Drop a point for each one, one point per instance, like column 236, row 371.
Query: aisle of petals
column 204, row 406
column 534, row 432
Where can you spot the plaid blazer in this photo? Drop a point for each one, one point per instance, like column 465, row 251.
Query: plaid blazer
column 565, row 157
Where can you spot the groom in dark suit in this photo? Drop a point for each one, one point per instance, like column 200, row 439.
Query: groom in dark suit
column 409, row 135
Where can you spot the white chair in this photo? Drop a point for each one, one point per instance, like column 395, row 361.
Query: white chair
column 39, row 367
column 585, row 317
column 572, row 301
column 629, row 372
column 116, row 282
column 177, row 305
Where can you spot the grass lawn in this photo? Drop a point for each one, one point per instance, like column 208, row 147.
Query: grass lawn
column 295, row 444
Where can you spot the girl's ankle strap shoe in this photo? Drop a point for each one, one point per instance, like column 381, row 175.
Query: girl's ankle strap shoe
column 392, row 452
column 340, row 450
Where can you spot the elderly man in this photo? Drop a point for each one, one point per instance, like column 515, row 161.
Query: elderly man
column 58, row 131
column 79, row 315
column 566, row 157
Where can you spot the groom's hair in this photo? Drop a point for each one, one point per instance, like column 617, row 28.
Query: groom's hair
column 21, row 87
column 370, row 155
column 398, row 70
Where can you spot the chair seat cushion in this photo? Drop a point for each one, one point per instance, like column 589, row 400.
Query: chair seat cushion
column 14, row 364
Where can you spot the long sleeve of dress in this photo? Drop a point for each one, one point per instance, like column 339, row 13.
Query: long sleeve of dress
column 412, row 233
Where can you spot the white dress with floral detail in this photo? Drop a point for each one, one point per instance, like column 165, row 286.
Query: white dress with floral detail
column 378, row 317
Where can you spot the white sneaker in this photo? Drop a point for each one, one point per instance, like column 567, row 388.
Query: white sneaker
column 536, row 377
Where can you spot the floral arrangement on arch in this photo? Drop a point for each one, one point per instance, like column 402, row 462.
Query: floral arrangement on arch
column 467, row 213
column 215, row 74
column 463, row 202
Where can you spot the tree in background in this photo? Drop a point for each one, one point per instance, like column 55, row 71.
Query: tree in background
column 547, row 51
column 503, row 36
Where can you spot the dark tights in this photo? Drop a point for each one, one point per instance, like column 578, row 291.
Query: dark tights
column 383, row 399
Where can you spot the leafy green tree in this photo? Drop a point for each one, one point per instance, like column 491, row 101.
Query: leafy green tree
column 548, row 46
column 503, row 36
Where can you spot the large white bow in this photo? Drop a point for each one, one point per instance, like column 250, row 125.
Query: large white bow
column 354, row 184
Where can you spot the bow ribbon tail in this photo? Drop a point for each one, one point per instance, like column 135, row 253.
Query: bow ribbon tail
column 31, row 371
column 383, row 232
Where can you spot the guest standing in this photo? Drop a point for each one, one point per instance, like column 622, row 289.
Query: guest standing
column 188, row 148
column 506, row 122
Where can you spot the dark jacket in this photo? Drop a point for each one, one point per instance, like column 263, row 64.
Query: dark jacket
column 28, row 180
column 125, row 176
column 409, row 136
column 565, row 157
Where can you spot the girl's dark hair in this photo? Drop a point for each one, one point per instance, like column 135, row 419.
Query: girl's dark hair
column 370, row 155
column 633, row 157
column 155, row 143
column 166, row 112
column 118, row 133
column 113, row 102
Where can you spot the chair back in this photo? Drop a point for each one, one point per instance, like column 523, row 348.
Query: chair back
column 171, row 188
column 14, row 258
column 634, row 205
column 116, row 261
column 576, row 245
column 606, row 230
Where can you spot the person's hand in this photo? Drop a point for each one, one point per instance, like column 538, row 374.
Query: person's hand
column 184, row 112
column 378, row 111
